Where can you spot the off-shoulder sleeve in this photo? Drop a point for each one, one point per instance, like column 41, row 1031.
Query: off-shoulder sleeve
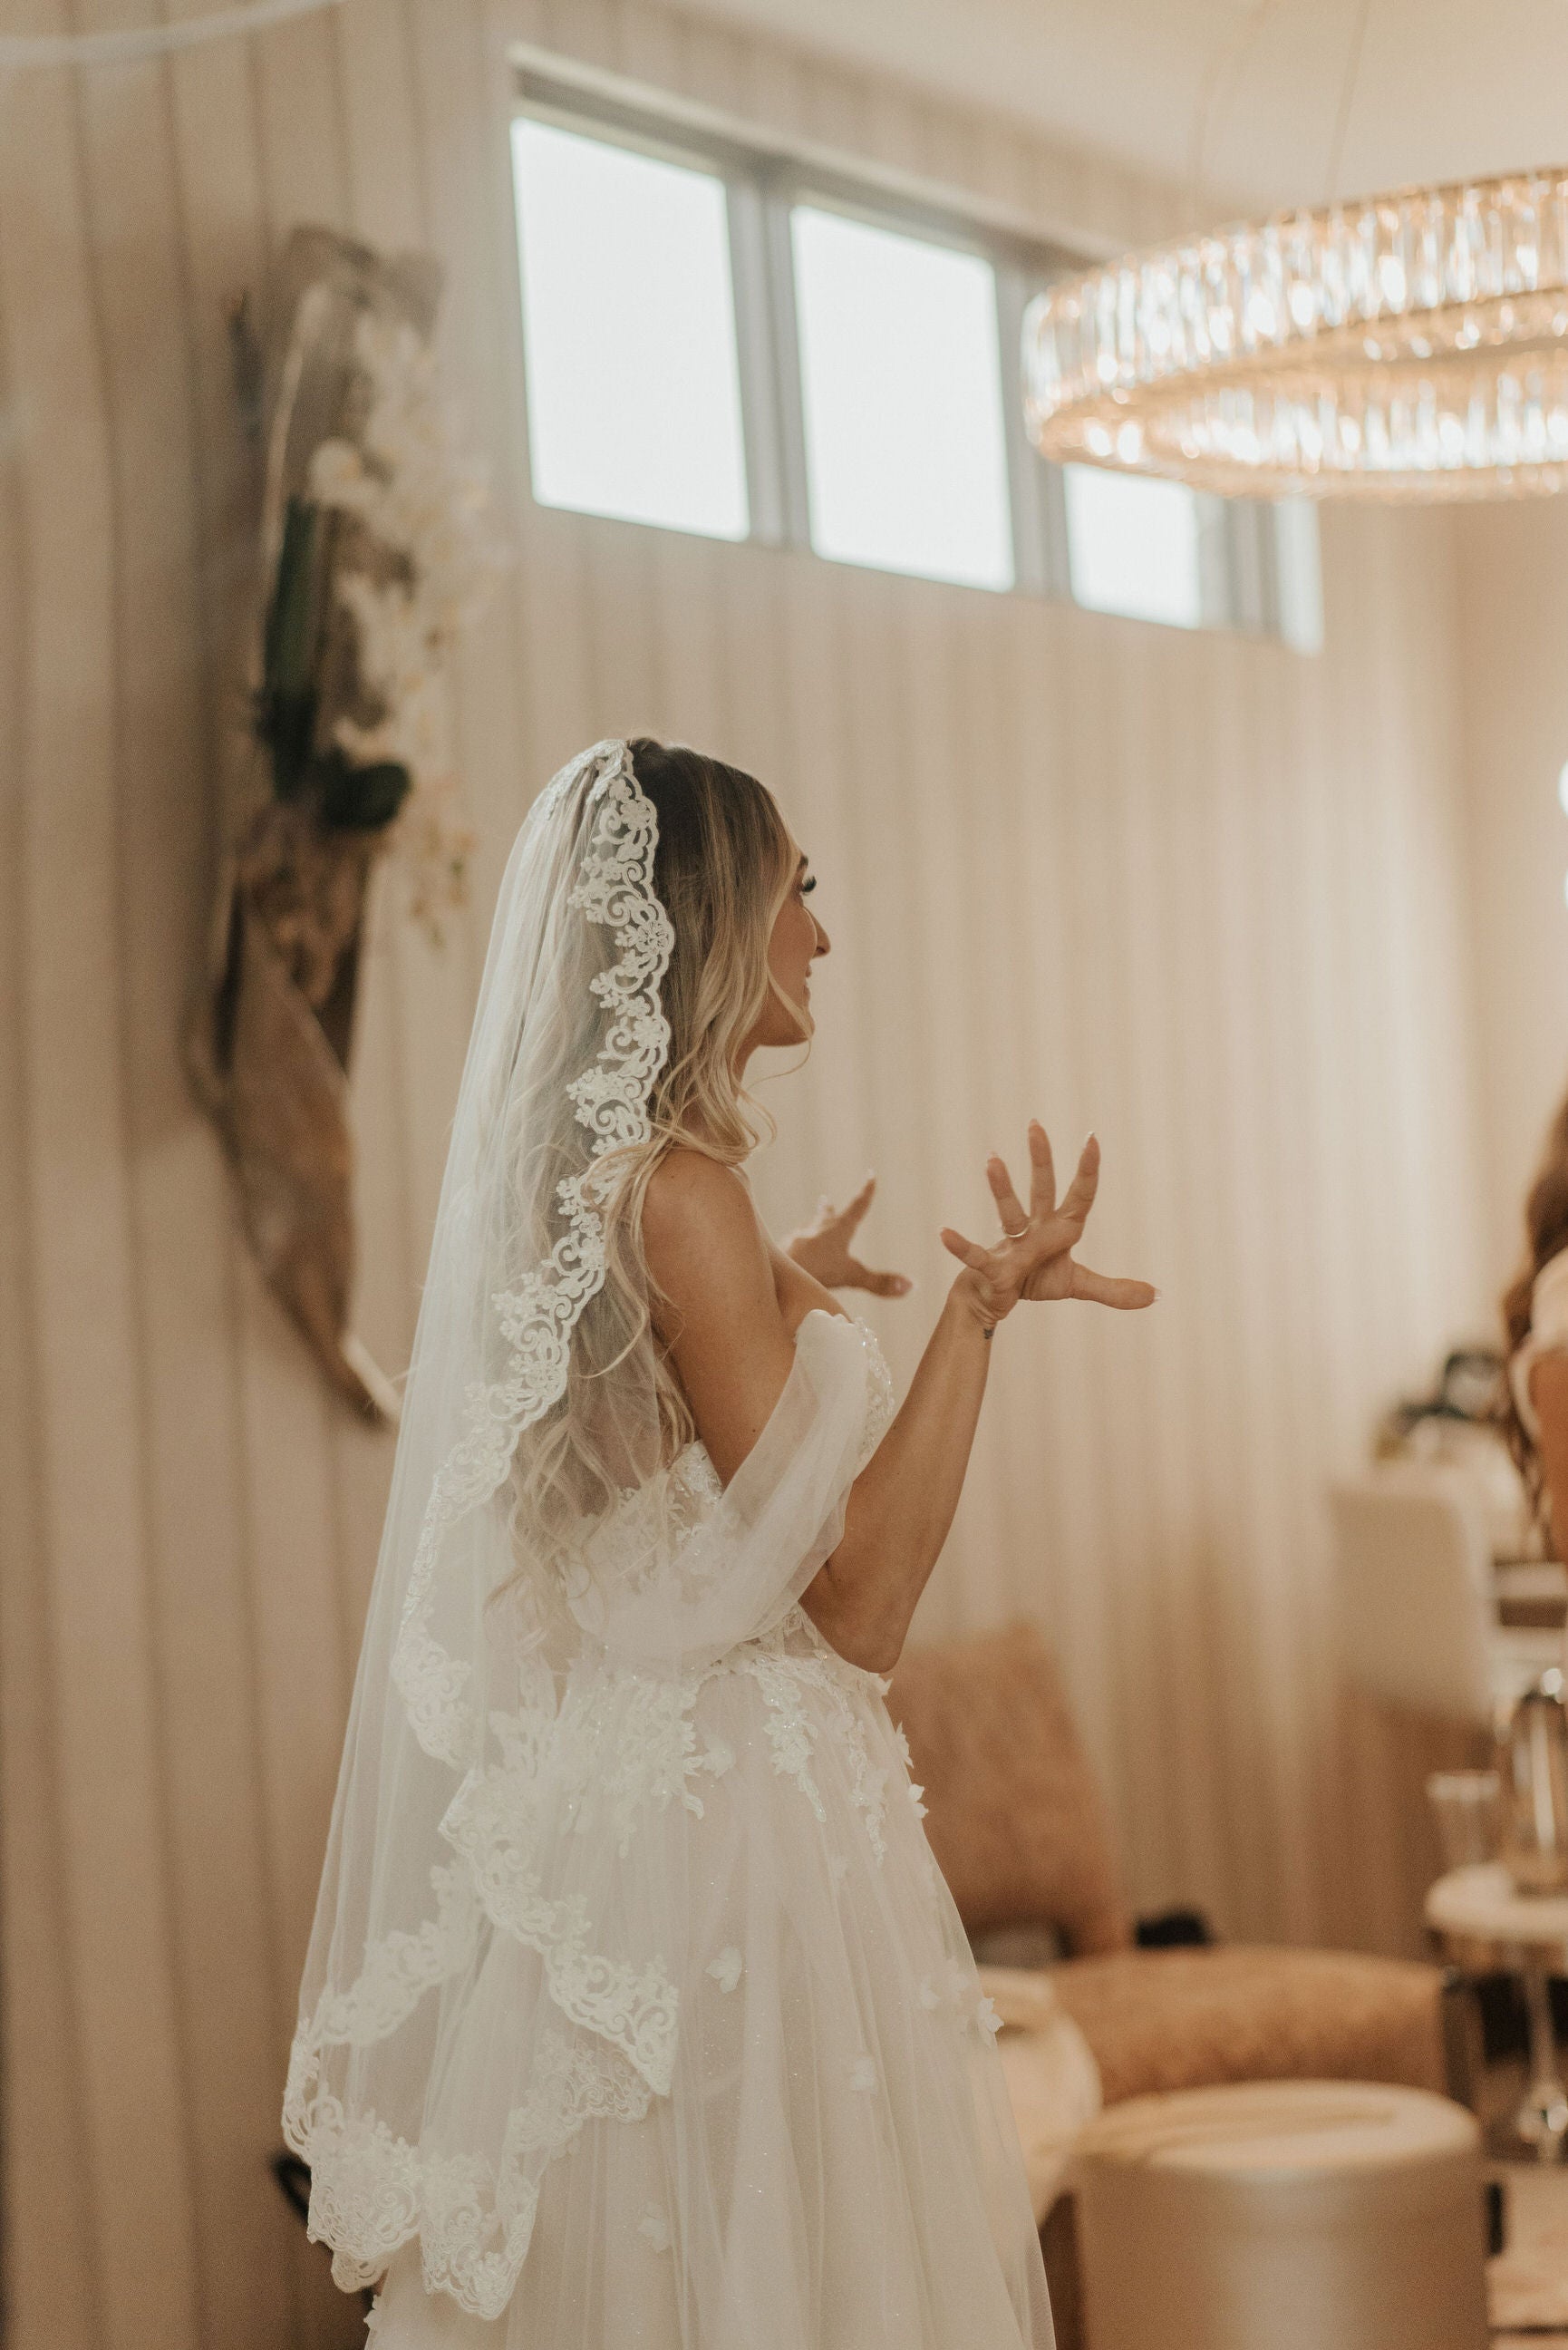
column 1548, row 1335
column 779, row 1518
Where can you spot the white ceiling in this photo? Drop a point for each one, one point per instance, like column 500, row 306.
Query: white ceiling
column 1444, row 87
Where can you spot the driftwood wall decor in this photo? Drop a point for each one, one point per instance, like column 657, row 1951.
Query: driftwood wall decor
column 372, row 552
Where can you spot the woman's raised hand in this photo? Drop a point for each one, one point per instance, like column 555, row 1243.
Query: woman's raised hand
column 823, row 1247
column 1034, row 1256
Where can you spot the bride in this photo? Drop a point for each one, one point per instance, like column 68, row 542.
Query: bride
column 636, row 2014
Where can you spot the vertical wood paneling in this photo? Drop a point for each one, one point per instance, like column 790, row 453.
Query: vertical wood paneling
column 1141, row 1229
column 113, row 1828
column 47, row 2244
column 1200, row 894
column 223, row 234
column 197, row 1671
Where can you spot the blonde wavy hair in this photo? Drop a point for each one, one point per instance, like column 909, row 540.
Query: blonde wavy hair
column 1545, row 1233
column 724, row 866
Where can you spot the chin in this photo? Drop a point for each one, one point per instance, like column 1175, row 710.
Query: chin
column 796, row 1025
column 800, row 1033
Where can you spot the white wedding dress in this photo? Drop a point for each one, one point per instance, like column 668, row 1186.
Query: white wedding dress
column 765, row 2108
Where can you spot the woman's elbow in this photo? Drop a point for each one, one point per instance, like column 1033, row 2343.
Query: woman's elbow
column 861, row 1635
column 870, row 1651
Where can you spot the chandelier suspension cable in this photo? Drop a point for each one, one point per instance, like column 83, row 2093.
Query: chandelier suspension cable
column 1346, row 94
column 1226, row 65
column 137, row 42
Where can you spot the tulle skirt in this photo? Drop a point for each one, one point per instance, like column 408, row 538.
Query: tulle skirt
column 836, row 2165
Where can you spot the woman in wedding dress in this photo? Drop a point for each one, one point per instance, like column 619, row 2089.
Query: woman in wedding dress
column 637, row 2015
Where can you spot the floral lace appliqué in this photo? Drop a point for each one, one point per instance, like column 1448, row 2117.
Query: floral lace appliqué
column 615, row 887
column 370, row 2191
column 725, row 1969
column 615, row 1749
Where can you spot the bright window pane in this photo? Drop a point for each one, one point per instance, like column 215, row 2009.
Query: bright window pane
column 1300, row 574
column 901, row 383
column 1132, row 546
column 629, row 330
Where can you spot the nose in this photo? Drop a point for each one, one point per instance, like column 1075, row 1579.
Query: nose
column 823, row 942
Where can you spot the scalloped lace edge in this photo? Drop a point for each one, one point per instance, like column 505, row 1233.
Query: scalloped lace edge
column 614, row 887
column 371, row 2191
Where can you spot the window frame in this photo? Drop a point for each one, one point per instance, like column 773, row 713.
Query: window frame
column 645, row 139
column 764, row 178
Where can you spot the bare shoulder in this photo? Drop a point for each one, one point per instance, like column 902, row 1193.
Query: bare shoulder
column 690, row 1195
column 705, row 1248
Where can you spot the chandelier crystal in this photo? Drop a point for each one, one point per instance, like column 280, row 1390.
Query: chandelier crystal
column 1412, row 345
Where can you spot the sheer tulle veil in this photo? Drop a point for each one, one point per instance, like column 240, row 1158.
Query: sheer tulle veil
column 478, row 1818
column 499, row 1477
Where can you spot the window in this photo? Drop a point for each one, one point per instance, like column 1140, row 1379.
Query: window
column 634, row 398
column 1133, row 545
column 901, row 387
column 724, row 335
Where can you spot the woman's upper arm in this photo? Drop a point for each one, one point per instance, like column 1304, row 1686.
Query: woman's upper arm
column 721, row 1320
column 1549, row 1394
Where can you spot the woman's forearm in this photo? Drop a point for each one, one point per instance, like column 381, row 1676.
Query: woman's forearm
column 1549, row 1394
column 902, row 1503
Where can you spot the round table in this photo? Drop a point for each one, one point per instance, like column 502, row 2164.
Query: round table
column 1480, row 1924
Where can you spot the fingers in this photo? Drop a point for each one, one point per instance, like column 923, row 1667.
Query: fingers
column 1079, row 1196
column 855, row 1209
column 1041, row 1172
column 880, row 1284
column 1106, row 1289
column 967, row 1252
column 1009, row 1206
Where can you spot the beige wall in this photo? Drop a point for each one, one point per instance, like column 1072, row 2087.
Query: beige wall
column 1204, row 895
column 1513, row 622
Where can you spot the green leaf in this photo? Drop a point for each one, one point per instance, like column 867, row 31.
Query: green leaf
column 362, row 799
column 286, row 704
column 292, row 629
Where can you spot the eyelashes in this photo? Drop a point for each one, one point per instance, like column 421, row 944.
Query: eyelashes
column 808, row 885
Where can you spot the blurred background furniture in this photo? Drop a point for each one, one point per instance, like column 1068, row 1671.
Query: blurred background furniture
column 1421, row 1625
column 1436, row 1643
column 1019, row 1827
column 1053, row 2081
column 1479, row 1923
column 1301, row 2215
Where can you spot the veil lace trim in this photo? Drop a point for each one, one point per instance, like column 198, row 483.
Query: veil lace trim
column 370, row 2189
column 614, row 887
column 606, row 2046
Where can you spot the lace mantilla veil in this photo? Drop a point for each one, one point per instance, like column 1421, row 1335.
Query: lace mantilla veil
column 486, row 1971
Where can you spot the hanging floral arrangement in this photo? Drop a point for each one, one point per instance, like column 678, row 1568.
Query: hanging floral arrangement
column 375, row 550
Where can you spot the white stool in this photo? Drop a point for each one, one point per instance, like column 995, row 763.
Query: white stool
column 1282, row 2215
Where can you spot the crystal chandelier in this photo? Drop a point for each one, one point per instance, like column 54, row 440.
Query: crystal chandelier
column 1407, row 346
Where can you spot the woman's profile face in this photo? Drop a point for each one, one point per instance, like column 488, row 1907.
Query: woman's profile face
column 798, row 938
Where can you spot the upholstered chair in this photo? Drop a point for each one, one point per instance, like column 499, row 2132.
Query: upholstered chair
column 1020, row 1828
